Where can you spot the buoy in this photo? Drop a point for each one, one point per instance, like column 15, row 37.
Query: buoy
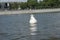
column 32, row 19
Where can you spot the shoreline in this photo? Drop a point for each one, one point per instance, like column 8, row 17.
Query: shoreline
column 6, row 12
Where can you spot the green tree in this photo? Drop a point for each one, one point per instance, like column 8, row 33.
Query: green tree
column 32, row 4
column 51, row 3
column 14, row 5
column 23, row 5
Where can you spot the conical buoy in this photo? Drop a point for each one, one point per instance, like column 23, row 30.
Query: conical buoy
column 32, row 19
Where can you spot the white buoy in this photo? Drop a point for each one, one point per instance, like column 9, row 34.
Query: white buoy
column 32, row 19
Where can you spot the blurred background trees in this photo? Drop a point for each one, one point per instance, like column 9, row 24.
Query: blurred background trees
column 14, row 5
column 23, row 5
column 34, row 4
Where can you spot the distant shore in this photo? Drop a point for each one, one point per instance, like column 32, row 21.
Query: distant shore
column 6, row 12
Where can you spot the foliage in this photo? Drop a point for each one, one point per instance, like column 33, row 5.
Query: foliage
column 52, row 3
column 14, row 5
column 23, row 5
column 33, row 4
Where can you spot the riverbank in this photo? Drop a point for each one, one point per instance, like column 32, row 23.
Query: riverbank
column 6, row 12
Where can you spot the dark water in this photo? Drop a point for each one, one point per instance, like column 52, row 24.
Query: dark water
column 17, row 27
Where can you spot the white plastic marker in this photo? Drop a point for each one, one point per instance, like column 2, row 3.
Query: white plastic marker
column 32, row 19
column 33, row 25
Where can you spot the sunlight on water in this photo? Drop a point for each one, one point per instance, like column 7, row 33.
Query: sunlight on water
column 33, row 29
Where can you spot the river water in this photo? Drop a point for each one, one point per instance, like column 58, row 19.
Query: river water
column 17, row 27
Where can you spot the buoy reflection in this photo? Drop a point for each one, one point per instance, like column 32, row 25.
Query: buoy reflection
column 33, row 29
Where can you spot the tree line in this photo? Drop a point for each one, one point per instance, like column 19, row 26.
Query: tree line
column 34, row 4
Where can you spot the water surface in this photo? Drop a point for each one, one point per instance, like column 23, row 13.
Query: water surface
column 17, row 27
